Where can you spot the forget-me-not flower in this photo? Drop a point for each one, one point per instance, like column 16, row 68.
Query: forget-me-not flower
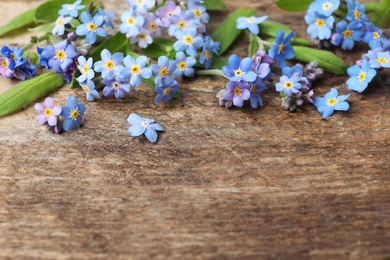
column 324, row 7
column 256, row 87
column 90, row 92
column 347, row 34
column 360, row 76
column 110, row 64
column 59, row 28
column 356, row 11
column 85, row 67
column 71, row 9
column 238, row 70
column 288, row 85
column 163, row 70
column 116, row 86
column 91, row 27
column 73, row 113
column 48, row 112
column 135, row 69
column 184, row 65
column 237, row 92
column 250, row 23
column 142, row 125
column 131, row 23
column 165, row 12
column 380, row 59
column 141, row 6
column 330, row 102
column 282, row 49
column 320, row 26
column 373, row 36
column 166, row 91
column 188, row 41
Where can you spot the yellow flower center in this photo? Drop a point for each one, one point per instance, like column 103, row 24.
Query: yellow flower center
column 135, row 69
column 60, row 54
column 250, row 20
column 181, row 25
column 163, row 71
column 376, row 35
column 12, row 56
column 91, row 27
column 254, row 89
column 197, row 13
column 347, row 33
column 48, row 112
column 288, row 84
column 60, row 22
column 362, row 76
column 167, row 91
column 85, row 69
column 182, row 65
column 320, row 22
column 86, row 88
column 140, row 1
column 115, row 85
column 74, row 114
column 142, row 36
column 281, row 48
column 382, row 60
column 145, row 124
column 238, row 73
column 326, row 6
column 207, row 54
column 332, row 101
column 237, row 91
column 152, row 26
column 356, row 13
column 130, row 21
column 4, row 64
column 188, row 40
column 109, row 64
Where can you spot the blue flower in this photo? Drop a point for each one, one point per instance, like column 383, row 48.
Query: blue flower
column 324, row 7
column 183, row 21
column 110, row 64
column 107, row 18
column 356, row 11
column 71, row 9
column 199, row 12
column 188, row 41
column 142, row 125
column 85, row 67
column 14, row 55
column 360, row 76
column 59, row 57
column 135, row 70
column 319, row 26
column 90, row 91
column 163, row 70
column 238, row 70
column 153, row 24
column 131, row 23
column 91, row 27
column 237, row 92
column 61, row 21
column 288, row 85
column 117, row 86
column 256, row 87
column 184, row 65
column 347, row 34
column 373, row 36
column 250, row 23
column 72, row 113
column 141, row 6
column 330, row 102
column 209, row 47
column 165, row 92
column 282, row 49
column 379, row 59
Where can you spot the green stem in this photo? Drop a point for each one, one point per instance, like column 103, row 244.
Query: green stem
column 40, row 39
column 213, row 72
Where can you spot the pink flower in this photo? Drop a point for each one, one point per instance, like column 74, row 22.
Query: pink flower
column 47, row 112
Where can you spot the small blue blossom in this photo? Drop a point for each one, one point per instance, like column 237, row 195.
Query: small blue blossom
column 135, row 70
column 153, row 24
column 373, row 36
column 116, row 86
column 183, row 21
column 320, row 26
column 238, row 70
column 131, row 23
column 143, row 38
column 184, row 65
column 288, row 85
column 163, row 70
column 209, row 47
column 107, row 18
column 256, row 87
column 85, row 67
column 58, row 57
column 142, row 125
column 250, row 23
column 91, row 27
column 282, row 49
column 356, row 12
column 360, row 76
column 237, row 92
column 188, row 41
column 15, row 56
column 199, row 12
column 165, row 92
column 71, row 9
column 347, row 34
column 59, row 28
column 330, row 102
column 379, row 59
column 73, row 113
column 90, row 91
column 324, row 7
column 110, row 64
column 141, row 6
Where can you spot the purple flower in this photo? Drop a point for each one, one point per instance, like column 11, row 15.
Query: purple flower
column 256, row 87
column 135, row 70
column 153, row 24
column 47, row 112
column 165, row 92
column 238, row 70
column 330, row 102
column 169, row 9
column 72, row 113
column 117, row 86
column 91, row 27
column 237, row 91
column 5, row 71
column 142, row 125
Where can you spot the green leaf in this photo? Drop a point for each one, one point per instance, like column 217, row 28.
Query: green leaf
column 294, row 5
column 270, row 28
column 214, row 5
column 27, row 91
column 381, row 14
column 325, row 59
column 371, row 7
column 21, row 21
column 45, row 28
column 253, row 45
column 48, row 11
column 227, row 32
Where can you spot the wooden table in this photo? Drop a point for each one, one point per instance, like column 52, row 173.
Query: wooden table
column 239, row 183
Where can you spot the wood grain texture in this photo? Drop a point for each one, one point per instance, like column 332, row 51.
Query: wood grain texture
column 219, row 184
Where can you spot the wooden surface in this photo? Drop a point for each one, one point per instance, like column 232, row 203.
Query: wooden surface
column 239, row 183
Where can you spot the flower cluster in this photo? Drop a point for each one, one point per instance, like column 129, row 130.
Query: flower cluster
column 12, row 64
column 50, row 114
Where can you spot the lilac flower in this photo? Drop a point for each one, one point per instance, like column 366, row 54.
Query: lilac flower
column 153, row 24
column 165, row 92
column 71, row 9
column 237, row 91
column 117, row 86
column 188, row 41
column 163, row 70
column 282, row 50
column 91, row 27
column 379, row 59
column 135, row 70
column 198, row 11
column 109, row 63
column 183, row 21
column 85, row 68
column 250, row 23
column 209, row 47
column 330, row 102
column 256, row 87
column 59, row 28
column 325, row 7
column 47, row 112
column 24, row 70
column 142, row 125
column 346, row 34
column 5, row 71
column 131, row 23
column 238, row 70
column 360, row 76
column 373, row 36
column 288, row 85
column 90, row 91
column 262, row 65
column 319, row 26
column 72, row 113
column 184, row 65
column 141, row 6
column 143, row 38
column 169, row 9
column 356, row 11
column 107, row 18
